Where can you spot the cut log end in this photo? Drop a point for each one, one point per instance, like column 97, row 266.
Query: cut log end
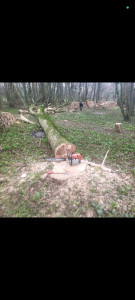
column 61, row 150
column 118, row 127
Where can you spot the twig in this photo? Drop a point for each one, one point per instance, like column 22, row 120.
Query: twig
column 104, row 158
column 39, row 143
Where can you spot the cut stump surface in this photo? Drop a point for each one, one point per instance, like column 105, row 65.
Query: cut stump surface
column 118, row 127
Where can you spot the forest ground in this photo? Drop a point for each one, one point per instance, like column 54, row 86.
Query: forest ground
column 95, row 193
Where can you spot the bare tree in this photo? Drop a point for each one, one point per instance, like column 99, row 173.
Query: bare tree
column 98, row 92
column 125, row 94
column 94, row 91
column 80, row 90
column 0, row 103
column 34, row 91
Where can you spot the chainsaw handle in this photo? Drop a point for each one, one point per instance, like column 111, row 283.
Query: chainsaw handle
column 71, row 159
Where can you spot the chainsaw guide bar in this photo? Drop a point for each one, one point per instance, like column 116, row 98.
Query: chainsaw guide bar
column 55, row 159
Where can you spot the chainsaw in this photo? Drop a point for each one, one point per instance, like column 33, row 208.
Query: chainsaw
column 70, row 157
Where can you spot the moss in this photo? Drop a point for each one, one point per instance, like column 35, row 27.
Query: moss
column 41, row 114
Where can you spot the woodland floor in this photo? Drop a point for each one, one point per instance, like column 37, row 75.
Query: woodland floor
column 89, row 192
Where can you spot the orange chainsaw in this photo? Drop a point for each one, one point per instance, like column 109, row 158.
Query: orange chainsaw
column 70, row 157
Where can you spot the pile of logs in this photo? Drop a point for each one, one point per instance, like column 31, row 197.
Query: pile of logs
column 99, row 106
column 7, row 119
column 109, row 104
column 52, row 110
column 73, row 106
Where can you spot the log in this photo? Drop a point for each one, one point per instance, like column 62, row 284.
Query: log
column 49, row 109
column 7, row 119
column 23, row 111
column 118, row 127
column 58, row 142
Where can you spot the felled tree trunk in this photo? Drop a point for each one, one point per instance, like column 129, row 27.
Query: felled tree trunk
column 58, row 143
column 118, row 127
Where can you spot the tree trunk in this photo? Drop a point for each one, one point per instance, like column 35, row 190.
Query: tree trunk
column 0, row 101
column 25, row 92
column 34, row 91
column 80, row 90
column 86, row 91
column 94, row 91
column 44, row 93
column 58, row 143
column 9, row 94
column 98, row 92
column 125, row 99
column 29, row 92
column 132, row 101
column 18, row 94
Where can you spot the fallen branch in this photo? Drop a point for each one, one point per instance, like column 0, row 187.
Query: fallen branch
column 22, row 118
column 23, row 111
column 31, row 110
column 102, row 164
column 104, row 158
column 99, row 166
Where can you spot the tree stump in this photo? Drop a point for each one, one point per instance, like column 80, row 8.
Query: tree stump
column 118, row 127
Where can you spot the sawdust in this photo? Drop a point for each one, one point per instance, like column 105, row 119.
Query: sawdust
column 70, row 171
column 88, row 176
column 71, row 193
column 31, row 170
column 38, row 167
column 105, row 178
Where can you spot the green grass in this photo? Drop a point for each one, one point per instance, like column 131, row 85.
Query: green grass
column 94, row 134
column 19, row 146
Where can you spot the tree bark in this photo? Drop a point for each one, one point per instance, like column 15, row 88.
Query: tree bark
column 0, row 101
column 25, row 92
column 58, row 143
column 98, row 92
column 94, row 91
column 125, row 99
column 34, row 91
column 18, row 94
